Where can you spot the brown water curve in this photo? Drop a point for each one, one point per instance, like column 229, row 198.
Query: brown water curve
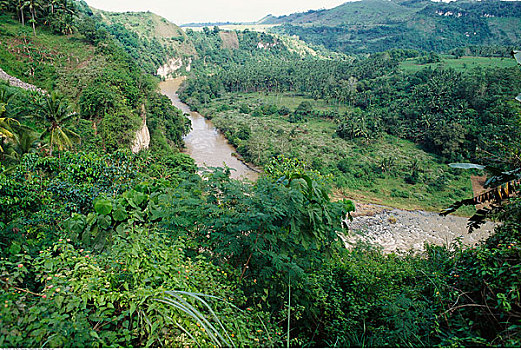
column 204, row 143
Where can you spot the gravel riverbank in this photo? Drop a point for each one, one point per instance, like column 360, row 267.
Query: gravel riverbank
column 401, row 230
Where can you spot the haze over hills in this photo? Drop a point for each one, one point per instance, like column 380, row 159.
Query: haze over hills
column 378, row 25
column 370, row 26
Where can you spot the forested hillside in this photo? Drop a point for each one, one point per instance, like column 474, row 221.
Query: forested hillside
column 378, row 25
column 146, row 32
column 91, row 73
column 102, row 247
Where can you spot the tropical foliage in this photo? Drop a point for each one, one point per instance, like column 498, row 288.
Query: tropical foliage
column 56, row 112
column 377, row 25
column 100, row 247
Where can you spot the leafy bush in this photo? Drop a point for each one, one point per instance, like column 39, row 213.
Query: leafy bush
column 118, row 298
column 368, row 299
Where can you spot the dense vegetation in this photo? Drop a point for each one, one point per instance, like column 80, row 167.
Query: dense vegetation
column 370, row 26
column 103, row 248
column 149, row 39
column 102, row 83
column 125, row 251
column 431, row 107
column 216, row 47
column 348, row 118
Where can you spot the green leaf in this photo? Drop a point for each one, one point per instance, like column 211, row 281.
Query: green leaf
column 59, row 300
column 156, row 211
column 76, row 223
column 91, row 218
column 139, row 198
column 349, row 206
column 15, row 248
column 103, row 206
column 48, row 265
column 132, row 308
column 119, row 213
column 104, row 221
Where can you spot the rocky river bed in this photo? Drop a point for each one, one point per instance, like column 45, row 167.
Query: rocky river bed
column 398, row 230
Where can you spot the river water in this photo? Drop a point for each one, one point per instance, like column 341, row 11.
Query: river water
column 204, row 143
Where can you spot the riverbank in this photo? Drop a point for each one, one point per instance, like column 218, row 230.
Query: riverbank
column 391, row 228
column 204, row 143
column 396, row 230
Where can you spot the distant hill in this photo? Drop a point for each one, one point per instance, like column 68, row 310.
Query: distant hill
column 209, row 24
column 379, row 25
column 360, row 12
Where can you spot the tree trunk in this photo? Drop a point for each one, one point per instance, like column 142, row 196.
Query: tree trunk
column 34, row 27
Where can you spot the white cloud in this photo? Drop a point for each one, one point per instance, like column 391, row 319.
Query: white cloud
column 185, row 11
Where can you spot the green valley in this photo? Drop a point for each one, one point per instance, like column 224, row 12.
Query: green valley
column 113, row 234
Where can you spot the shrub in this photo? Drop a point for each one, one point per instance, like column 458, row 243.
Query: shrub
column 117, row 298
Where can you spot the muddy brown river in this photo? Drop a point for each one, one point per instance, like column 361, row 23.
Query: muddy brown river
column 205, row 144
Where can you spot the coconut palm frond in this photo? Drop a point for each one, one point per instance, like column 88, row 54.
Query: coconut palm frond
column 56, row 111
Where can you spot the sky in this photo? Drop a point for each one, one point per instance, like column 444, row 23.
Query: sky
column 187, row 11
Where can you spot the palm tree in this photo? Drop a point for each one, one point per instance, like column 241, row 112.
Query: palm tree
column 56, row 111
column 27, row 142
column 6, row 132
column 4, row 5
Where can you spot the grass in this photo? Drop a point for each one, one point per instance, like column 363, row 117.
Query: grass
column 354, row 166
column 40, row 59
column 459, row 64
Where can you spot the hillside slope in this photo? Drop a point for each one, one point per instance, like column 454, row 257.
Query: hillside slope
column 107, row 88
column 157, row 44
column 379, row 25
column 367, row 12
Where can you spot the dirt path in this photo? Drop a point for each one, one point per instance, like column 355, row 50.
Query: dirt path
column 17, row 82
column 400, row 230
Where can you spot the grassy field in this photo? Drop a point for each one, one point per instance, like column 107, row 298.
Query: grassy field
column 459, row 64
column 376, row 171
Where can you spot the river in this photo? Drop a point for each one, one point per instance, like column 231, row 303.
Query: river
column 204, row 143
